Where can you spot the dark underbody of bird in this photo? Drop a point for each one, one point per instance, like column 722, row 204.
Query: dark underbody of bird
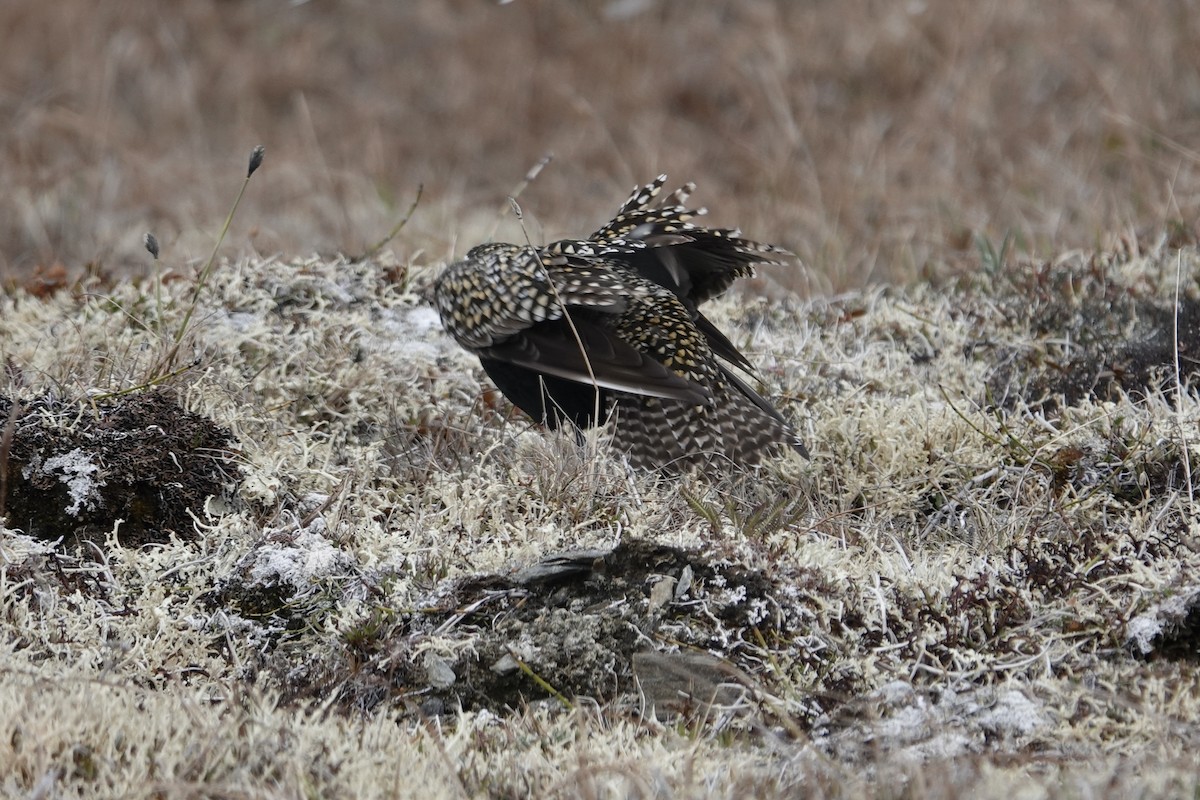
column 581, row 331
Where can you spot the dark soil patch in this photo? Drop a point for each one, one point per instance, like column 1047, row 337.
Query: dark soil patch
column 71, row 469
column 1095, row 338
column 570, row 626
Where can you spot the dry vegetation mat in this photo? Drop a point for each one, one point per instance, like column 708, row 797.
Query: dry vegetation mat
column 297, row 547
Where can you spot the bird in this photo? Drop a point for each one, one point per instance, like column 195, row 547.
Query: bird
column 581, row 332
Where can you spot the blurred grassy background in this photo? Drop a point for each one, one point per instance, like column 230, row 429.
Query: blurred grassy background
column 876, row 139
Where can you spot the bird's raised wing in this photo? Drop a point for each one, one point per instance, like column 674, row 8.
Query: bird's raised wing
column 663, row 243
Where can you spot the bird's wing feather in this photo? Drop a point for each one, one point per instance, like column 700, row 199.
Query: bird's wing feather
column 720, row 344
column 603, row 360
column 696, row 262
column 500, row 290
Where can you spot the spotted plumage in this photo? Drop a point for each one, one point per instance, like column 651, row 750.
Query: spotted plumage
column 581, row 330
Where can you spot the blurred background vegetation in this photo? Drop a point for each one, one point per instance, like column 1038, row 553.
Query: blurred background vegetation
column 879, row 140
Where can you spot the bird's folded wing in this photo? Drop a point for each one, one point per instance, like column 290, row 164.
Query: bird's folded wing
column 554, row 348
column 720, row 344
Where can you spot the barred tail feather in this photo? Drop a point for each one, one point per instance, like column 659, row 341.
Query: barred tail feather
column 673, row 434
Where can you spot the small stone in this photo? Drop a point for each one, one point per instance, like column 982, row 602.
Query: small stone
column 438, row 672
column 505, row 665
column 662, row 593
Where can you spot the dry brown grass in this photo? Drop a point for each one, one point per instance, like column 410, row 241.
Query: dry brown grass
column 867, row 136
